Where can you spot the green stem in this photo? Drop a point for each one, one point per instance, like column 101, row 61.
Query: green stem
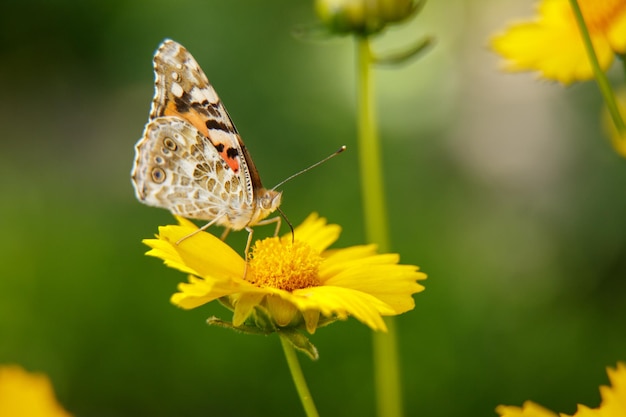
column 386, row 363
column 298, row 377
column 375, row 211
column 387, row 371
column 601, row 79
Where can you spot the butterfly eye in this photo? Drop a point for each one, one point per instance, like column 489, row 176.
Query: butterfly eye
column 170, row 144
column 158, row 175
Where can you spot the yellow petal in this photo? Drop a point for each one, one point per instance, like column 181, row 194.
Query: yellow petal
column 201, row 254
column 394, row 286
column 282, row 311
column 529, row 409
column 27, row 394
column 614, row 397
column 616, row 34
column 378, row 275
column 196, row 293
column 185, row 222
column 342, row 302
column 551, row 45
column 311, row 318
column 244, row 304
column 200, row 291
column 584, row 411
column 350, row 253
column 355, row 256
column 165, row 251
column 316, row 233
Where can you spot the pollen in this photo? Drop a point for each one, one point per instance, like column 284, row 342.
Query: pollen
column 286, row 266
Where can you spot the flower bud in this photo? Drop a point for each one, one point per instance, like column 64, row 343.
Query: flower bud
column 362, row 16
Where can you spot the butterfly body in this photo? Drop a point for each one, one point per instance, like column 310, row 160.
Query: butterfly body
column 191, row 159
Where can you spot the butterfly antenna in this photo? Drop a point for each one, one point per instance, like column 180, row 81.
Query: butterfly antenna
column 337, row 152
column 293, row 236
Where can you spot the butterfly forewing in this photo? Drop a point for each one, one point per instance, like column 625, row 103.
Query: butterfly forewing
column 183, row 90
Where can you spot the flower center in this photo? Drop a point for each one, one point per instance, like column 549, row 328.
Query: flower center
column 286, row 266
column 600, row 14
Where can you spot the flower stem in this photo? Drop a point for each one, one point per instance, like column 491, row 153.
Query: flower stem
column 601, row 79
column 298, row 377
column 369, row 152
column 386, row 366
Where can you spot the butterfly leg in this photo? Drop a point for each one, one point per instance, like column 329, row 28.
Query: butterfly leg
column 250, row 232
column 203, row 228
column 225, row 233
column 276, row 220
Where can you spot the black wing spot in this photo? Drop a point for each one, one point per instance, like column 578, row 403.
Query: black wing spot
column 182, row 103
column 218, row 125
column 220, row 147
column 213, row 109
column 232, row 153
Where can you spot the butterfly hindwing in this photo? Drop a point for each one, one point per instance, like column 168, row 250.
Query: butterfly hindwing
column 181, row 171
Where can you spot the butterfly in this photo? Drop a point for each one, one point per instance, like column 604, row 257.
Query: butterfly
column 191, row 159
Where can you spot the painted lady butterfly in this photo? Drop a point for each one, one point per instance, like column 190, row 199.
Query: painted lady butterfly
column 191, row 160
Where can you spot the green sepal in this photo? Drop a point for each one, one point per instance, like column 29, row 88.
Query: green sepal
column 395, row 58
column 314, row 32
column 262, row 319
column 325, row 321
column 245, row 329
column 300, row 342
column 225, row 301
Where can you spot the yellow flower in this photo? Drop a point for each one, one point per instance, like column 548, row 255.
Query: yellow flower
column 614, row 397
column 293, row 283
column 529, row 409
column 613, row 401
column 552, row 43
column 27, row 394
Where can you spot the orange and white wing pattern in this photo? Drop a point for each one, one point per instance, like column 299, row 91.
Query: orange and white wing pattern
column 191, row 159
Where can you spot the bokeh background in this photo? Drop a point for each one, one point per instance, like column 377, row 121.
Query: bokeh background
column 501, row 187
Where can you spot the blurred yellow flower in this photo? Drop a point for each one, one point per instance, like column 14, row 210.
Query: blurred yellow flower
column 295, row 283
column 614, row 397
column 27, row 394
column 613, row 401
column 552, row 43
column 528, row 409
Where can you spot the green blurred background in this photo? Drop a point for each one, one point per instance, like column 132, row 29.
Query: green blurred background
column 502, row 188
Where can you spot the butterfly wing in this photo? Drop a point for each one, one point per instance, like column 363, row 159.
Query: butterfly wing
column 183, row 90
column 191, row 159
column 178, row 169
